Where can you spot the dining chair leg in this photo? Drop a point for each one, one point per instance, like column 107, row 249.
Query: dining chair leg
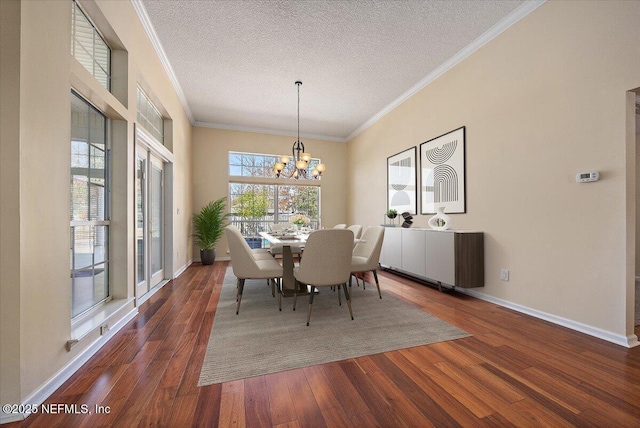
column 279, row 297
column 295, row 294
column 346, row 295
column 313, row 292
column 273, row 286
column 240, row 288
column 375, row 275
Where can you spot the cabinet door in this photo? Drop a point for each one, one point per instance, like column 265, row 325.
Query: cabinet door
column 440, row 256
column 413, row 251
column 391, row 255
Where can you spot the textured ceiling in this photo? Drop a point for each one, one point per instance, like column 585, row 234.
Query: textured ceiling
column 236, row 62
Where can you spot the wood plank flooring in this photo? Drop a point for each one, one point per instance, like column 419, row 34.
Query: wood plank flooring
column 515, row 371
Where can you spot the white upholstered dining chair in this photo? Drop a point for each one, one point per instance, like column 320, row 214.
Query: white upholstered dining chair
column 366, row 254
column 326, row 262
column 249, row 264
column 356, row 229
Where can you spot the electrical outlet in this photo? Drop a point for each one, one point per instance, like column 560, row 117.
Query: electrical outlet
column 104, row 329
column 504, row 274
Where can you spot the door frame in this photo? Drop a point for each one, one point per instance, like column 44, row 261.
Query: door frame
column 145, row 142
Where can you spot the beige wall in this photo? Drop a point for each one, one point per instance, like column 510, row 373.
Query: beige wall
column 37, row 79
column 543, row 101
column 211, row 169
column 637, row 267
column 9, row 201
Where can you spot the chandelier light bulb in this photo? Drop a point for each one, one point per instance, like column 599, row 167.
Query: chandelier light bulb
column 305, row 157
column 321, row 168
column 284, row 159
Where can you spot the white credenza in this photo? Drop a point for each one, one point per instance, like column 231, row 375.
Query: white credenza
column 450, row 257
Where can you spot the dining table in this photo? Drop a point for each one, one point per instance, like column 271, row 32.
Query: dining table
column 289, row 285
column 286, row 239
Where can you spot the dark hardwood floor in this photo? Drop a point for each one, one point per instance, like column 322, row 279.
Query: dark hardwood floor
column 515, row 371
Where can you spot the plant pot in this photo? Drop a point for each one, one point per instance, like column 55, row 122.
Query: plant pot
column 207, row 257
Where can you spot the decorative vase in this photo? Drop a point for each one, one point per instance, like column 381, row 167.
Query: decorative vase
column 440, row 221
column 207, row 257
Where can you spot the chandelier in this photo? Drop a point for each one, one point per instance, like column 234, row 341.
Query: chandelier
column 301, row 158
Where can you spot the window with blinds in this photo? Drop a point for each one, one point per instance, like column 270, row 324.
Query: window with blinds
column 89, row 206
column 149, row 116
column 89, row 48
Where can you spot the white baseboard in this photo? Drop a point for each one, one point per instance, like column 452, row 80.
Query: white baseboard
column 626, row 341
column 50, row 386
column 182, row 269
column 151, row 292
column 222, row 259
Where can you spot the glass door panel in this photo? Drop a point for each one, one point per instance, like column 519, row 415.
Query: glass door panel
column 141, row 205
column 156, row 220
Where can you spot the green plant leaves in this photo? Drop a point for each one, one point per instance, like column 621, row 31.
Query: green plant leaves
column 209, row 224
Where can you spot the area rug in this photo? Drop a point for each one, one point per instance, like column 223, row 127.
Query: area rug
column 262, row 340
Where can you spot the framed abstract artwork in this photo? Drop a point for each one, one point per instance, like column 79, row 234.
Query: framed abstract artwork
column 402, row 182
column 442, row 173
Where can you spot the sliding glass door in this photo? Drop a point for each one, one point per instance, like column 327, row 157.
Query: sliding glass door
column 156, row 220
column 149, row 220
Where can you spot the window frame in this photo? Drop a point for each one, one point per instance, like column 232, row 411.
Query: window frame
column 272, row 186
column 148, row 122
column 105, row 222
column 269, row 168
column 75, row 42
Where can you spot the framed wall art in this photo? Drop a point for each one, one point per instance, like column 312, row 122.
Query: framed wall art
column 442, row 173
column 402, row 182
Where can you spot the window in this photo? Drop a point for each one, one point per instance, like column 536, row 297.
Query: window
column 149, row 116
column 89, row 206
column 256, row 165
column 254, row 207
column 89, row 48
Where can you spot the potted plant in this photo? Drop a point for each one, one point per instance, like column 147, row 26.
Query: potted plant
column 208, row 228
column 392, row 214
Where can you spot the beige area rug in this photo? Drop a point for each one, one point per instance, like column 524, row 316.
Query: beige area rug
column 262, row 340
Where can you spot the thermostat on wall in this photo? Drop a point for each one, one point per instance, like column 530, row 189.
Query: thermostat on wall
column 585, row 177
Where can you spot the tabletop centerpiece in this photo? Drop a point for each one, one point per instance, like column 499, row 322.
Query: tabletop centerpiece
column 299, row 220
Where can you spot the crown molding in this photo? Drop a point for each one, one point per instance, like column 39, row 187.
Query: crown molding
column 515, row 16
column 268, row 131
column 155, row 42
